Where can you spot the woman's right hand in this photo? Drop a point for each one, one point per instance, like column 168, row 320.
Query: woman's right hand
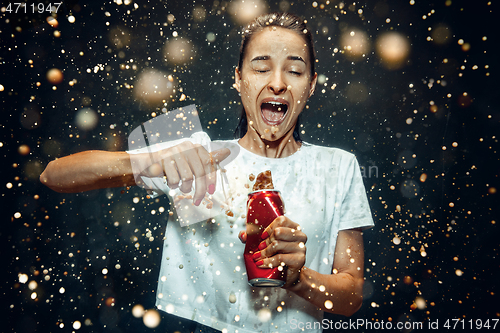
column 181, row 165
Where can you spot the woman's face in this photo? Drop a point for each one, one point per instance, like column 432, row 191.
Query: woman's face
column 275, row 81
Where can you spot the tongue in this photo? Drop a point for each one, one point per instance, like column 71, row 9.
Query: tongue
column 271, row 112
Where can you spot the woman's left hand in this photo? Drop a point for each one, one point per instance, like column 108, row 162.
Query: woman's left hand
column 283, row 243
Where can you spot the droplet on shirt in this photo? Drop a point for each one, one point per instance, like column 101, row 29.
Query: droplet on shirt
column 264, row 315
column 169, row 308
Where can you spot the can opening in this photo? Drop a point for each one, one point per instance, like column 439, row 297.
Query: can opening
column 263, row 282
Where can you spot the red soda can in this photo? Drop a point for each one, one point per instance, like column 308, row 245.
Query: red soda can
column 263, row 207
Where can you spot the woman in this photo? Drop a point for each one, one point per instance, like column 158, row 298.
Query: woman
column 202, row 276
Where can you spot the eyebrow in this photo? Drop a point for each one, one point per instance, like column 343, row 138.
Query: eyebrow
column 266, row 57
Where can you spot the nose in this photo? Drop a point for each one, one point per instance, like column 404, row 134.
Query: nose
column 276, row 84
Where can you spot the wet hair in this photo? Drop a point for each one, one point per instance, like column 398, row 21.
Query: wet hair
column 283, row 20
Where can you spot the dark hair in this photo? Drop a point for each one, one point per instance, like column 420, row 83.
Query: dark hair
column 282, row 20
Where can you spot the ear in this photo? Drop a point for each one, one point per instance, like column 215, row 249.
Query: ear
column 313, row 84
column 237, row 79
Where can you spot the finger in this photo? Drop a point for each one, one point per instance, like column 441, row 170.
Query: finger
column 242, row 236
column 208, row 163
column 282, row 228
column 199, row 173
column 216, row 157
column 171, row 173
column 220, row 155
column 282, row 247
column 184, row 171
column 288, row 235
column 280, row 221
column 283, row 259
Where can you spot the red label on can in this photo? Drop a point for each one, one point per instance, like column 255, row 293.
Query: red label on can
column 262, row 208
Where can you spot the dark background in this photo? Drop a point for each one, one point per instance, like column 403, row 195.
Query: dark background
column 438, row 199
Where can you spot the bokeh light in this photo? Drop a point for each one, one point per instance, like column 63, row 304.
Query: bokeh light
column 119, row 37
column 151, row 318
column 55, row 76
column 441, row 34
column 393, row 49
column 243, row 11
column 138, row 311
column 154, row 86
column 52, row 22
column 355, row 43
column 86, row 119
column 179, row 51
column 199, row 13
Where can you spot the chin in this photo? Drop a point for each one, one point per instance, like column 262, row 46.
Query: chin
column 275, row 133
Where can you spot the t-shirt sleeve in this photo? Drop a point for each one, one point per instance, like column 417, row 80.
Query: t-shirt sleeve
column 355, row 210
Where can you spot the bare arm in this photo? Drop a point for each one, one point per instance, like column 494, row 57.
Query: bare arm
column 96, row 169
column 342, row 291
column 88, row 170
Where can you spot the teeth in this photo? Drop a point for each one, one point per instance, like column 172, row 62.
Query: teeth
column 276, row 103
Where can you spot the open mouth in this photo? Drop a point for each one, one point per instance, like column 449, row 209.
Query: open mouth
column 273, row 112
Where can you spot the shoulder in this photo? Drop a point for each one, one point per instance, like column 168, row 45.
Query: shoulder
column 230, row 141
column 330, row 153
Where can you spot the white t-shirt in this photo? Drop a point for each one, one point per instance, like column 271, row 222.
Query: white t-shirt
column 202, row 274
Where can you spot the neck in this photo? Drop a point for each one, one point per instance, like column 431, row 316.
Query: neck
column 282, row 147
